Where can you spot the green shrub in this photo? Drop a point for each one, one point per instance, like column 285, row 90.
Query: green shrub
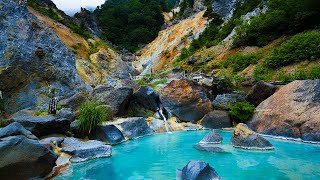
column 299, row 48
column 91, row 115
column 241, row 112
column 262, row 73
column 313, row 73
column 283, row 17
column 155, row 83
column 239, row 62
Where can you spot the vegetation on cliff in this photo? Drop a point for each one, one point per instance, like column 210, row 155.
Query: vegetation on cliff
column 130, row 24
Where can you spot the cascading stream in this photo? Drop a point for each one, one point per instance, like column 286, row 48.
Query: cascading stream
column 165, row 120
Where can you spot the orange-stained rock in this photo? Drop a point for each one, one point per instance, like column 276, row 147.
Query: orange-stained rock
column 186, row 100
column 293, row 111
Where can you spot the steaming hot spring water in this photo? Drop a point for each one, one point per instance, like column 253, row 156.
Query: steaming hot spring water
column 158, row 156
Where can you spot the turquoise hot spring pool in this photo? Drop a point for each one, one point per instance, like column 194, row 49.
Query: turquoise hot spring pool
column 158, row 156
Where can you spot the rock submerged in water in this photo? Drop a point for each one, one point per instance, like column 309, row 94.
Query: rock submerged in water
column 186, row 100
column 85, row 150
column 212, row 137
column 196, row 170
column 245, row 138
column 208, row 148
column 216, row 119
column 23, row 158
column 293, row 111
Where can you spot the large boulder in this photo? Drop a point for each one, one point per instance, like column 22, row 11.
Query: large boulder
column 74, row 102
column 83, row 151
column 43, row 125
column 293, row 111
column 213, row 137
column 133, row 128
column 144, row 102
column 186, row 100
column 223, row 101
column 23, row 158
column 117, row 99
column 196, row 170
column 216, row 119
column 109, row 134
column 245, row 138
column 259, row 92
column 35, row 65
column 15, row 129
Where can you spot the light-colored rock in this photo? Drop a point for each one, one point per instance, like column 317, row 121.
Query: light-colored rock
column 293, row 111
column 15, row 129
column 224, row 100
column 85, row 150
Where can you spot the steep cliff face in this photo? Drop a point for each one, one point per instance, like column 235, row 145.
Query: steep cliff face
column 35, row 65
column 167, row 46
column 224, row 7
column 85, row 19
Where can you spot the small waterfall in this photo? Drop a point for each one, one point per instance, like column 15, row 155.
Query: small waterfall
column 165, row 120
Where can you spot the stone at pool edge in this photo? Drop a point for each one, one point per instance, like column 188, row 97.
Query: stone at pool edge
column 245, row 138
column 82, row 151
column 132, row 128
column 109, row 134
column 35, row 165
column 195, row 170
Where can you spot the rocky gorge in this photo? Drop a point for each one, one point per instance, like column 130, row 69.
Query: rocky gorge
column 134, row 95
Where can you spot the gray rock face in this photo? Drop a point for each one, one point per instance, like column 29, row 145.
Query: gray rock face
column 245, row 138
column 212, row 137
column 43, row 125
column 34, row 64
column 196, row 170
column 67, row 114
column 208, row 148
column 223, row 101
column 224, row 8
column 109, row 134
column 157, row 125
column 75, row 101
column 260, row 92
column 117, row 99
column 88, row 20
column 216, row 119
column 134, row 127
column 15, row 129
column 23, row 158
column 147, row 98
column 83, row 151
